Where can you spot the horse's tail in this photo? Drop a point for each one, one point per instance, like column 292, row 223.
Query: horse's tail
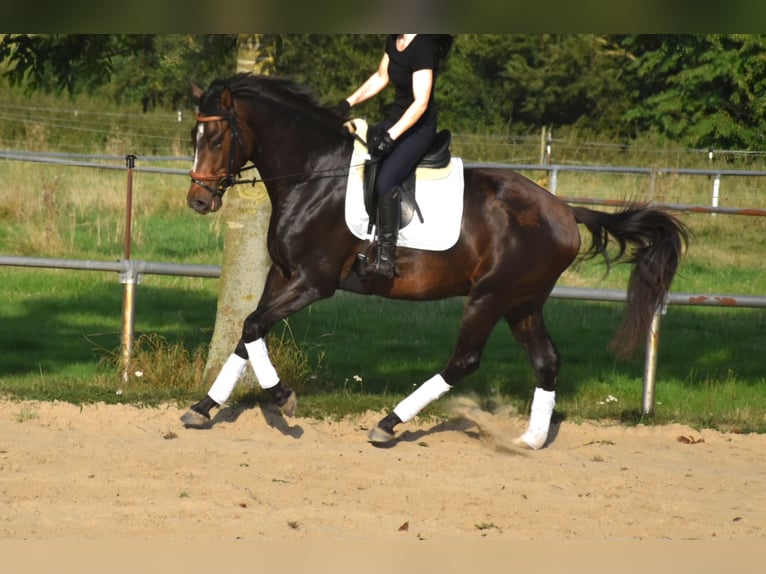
column 654, row 242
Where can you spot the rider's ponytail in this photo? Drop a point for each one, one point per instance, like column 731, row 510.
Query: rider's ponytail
column 443, row 43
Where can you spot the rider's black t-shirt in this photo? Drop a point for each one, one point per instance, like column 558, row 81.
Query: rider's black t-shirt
column 419, row 55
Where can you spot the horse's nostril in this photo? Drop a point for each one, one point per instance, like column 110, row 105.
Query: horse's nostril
column 198, row 205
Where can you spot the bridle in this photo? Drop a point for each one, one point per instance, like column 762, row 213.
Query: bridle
column 232, row 176
column 206, row 180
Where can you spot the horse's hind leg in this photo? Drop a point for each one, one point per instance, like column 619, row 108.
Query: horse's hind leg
column 479, row 318
column 545, row 360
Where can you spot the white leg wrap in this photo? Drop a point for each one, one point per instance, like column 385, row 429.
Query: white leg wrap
column 227, row 378
column 259, row 358
column 539, row 418
column 429, row 391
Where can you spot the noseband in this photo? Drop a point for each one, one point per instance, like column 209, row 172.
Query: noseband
column 206, row 180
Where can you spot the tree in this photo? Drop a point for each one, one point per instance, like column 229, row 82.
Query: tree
column 332, row 65
column 704, row 90
column 693, row 89
column 65, row 62
column 160, row 76
column 520, row 83
column 246, row 259
column 153, row 70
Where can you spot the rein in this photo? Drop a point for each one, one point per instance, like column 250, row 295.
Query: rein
column 232, row 177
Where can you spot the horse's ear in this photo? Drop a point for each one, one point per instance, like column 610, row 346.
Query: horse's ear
column 196, row 90
column 226, row 100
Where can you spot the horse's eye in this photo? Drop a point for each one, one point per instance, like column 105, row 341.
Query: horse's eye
column 216, row 142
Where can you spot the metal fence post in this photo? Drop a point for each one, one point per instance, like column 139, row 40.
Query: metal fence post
column 130, row 163
column 716, row 190
column 129, row 278
column 650, row 360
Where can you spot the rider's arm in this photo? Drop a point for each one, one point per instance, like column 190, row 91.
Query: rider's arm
column 373, row 85
column 422, row 81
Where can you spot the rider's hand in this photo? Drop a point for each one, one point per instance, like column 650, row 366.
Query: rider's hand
column 379, row 143
column 342, row 108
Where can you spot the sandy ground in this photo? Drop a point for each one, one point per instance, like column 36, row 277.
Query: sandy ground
column 105, row 472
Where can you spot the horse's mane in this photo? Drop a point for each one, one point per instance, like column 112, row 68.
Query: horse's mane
column 280, row 92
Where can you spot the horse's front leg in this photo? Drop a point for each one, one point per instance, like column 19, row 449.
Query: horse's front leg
column 282, row 296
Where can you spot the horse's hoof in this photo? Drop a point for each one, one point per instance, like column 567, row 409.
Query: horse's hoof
column 194, row 420
column 380, row 437
column 288, row 409
column 531, row 440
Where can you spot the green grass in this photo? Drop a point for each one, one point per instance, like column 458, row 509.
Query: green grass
column 60, row 338
column 61, row 330
column 709, row 359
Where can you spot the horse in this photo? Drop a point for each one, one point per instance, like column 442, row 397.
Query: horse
column 515, row 240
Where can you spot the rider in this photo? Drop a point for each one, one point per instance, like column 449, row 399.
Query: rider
column 411, row 62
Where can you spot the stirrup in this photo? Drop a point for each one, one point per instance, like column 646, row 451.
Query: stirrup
column 367, row 267
column 384, row 267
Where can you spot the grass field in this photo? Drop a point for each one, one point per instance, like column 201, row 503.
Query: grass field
column 60, row 329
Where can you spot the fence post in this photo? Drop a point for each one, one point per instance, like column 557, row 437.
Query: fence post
column 548, row 146
column 130, row 163
column 650, row 361
column 716, row 190
column 129, row 278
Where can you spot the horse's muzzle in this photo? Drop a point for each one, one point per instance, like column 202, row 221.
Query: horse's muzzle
column 203, row 205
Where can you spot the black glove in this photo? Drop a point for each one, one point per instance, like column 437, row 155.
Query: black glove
column 379, row 143
column 342, row 108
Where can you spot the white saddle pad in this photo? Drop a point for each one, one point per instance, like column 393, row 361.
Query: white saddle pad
column 439, row 193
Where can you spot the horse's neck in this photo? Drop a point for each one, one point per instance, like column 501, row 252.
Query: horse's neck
column 302, row 166
column 287, row 152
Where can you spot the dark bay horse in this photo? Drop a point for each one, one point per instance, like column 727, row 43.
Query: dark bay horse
column 515, row 241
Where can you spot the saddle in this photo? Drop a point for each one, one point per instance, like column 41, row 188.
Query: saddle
column 437, row 157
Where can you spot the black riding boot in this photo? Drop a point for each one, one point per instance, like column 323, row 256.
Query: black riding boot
column 388, row 231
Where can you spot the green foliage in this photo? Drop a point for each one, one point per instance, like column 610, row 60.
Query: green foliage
column 543, row 80
column 151, row 69
column 64, row 62
column 160, row 76
column 333, row 65
column 707, row 90
column 693, row 89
